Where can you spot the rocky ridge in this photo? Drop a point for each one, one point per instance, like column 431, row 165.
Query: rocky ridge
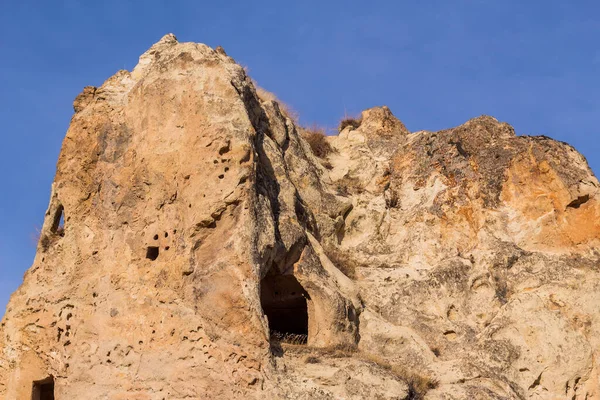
column 197, row 220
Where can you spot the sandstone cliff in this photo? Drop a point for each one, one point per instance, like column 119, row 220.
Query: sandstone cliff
column 198, row 221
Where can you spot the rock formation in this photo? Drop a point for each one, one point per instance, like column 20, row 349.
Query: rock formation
column 198, row 221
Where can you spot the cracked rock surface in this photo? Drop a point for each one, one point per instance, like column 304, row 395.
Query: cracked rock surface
column 440, row 265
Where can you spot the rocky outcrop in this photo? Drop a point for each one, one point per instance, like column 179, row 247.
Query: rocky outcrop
column 206, row 252
column 482, row 244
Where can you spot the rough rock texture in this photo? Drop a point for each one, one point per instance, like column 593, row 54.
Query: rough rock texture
column 196, row 216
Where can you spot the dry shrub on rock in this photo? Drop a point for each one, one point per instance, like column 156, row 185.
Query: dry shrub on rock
column 317, row 141
column 286, row 110
column 349, row 121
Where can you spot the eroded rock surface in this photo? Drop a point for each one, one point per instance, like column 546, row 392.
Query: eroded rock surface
column 442, row 265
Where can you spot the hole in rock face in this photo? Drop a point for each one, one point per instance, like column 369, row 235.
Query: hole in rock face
column 43, row 390
column 579, row 201
column 283, row 300
column 58, row 224
column 152, row 253
column 61, row 225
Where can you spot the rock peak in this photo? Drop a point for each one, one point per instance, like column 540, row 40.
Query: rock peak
column 169, row 38
column 491, row 125
column 382, row 121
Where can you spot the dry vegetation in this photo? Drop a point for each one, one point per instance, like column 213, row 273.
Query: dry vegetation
column 312, row 360
column 315, row 136
column 419, row 382
column 337, row 351
column 342, row 262
column 289, row 338
column 349, row 121
column 46, row 240
column 317, row 140
column 349, row 185
column 265, row 95
column 392, row 199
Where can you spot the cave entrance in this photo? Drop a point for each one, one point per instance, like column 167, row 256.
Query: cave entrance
column 283, row 300
column 43, row 390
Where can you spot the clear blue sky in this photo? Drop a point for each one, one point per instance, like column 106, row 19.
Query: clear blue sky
column 534, row 64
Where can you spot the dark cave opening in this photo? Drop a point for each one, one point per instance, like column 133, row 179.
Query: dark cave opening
column 43, row 390
column 152, row 253
column 283, row 300
column 58, row 223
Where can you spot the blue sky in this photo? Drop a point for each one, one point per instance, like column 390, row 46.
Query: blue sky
column 534, row 64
